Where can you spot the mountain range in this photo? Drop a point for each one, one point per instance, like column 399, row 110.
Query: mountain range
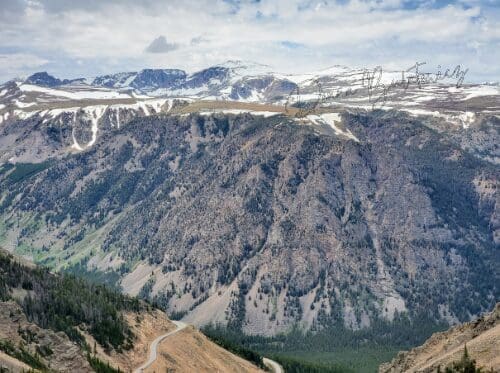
column 258, row 200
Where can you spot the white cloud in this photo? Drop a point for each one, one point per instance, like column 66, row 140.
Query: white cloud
column 117, row 34
column 17, row 64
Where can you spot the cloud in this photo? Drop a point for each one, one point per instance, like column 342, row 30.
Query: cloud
column 16, row 64
column 290, row 44
column 290, row 35
column 11, row 10
column 198, row 40
column 160, row 45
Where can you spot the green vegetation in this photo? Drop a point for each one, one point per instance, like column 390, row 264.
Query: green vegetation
column 99, row 366
column 298, row 365
column 108, row 278
column 465, row 365
column 21, row 354
column 23, row 171
column 145, row 292
column 6, row 167
column 64, row 302
column 364, row 359
column 335, row 347
column 177, row 315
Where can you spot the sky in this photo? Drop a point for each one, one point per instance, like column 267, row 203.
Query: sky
column 84, row 38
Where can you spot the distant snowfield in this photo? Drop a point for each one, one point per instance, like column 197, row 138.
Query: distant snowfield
column 245, row 88
column 22, row 105
column 76, row 94
column 483, row 90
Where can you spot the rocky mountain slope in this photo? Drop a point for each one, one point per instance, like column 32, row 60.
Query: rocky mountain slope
column 481, row 336
column 54, row 349
column 304, row 208
column 48, row 326
column 273, row 219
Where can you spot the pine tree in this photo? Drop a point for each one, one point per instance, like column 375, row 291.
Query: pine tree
column 465, row 365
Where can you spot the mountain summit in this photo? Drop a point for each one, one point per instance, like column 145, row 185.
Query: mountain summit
column 43, row 79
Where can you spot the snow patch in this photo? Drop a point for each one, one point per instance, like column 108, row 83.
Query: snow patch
column 53, row 113
column 417, row 112
column 467, row 118
column 22, row 105
column 95, row 113
column 75, row 145
column 483, row 90
column 331, row 119
column 24, row 114
column 137, row 95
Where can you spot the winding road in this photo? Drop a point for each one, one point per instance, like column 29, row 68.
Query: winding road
column 154, row 346
column 273, row 365
column 153, row 351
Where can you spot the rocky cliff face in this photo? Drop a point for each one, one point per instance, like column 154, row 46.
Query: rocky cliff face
column 265, row 222
column 52, row 349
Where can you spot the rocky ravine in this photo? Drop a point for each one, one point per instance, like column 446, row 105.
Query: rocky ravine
column 482, row 337
column 264, row 222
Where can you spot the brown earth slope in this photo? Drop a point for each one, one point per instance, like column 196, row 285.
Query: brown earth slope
column 146, row 327
column 186, row 351
column 190, row 351
column 481, row 336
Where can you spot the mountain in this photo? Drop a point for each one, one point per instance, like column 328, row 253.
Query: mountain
column 481, row 339
column 118, row 80
column 145, row 80
column 452, row 101
column 43, row 79
column 297, row 226
column 261, row 201
column 233, row 79
column 62, row 323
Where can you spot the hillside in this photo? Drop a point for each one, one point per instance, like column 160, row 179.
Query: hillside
column 59, row 323
column 481, row 336
column 264, row 222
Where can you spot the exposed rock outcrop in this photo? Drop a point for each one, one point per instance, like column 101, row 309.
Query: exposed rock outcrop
column 482, row 337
